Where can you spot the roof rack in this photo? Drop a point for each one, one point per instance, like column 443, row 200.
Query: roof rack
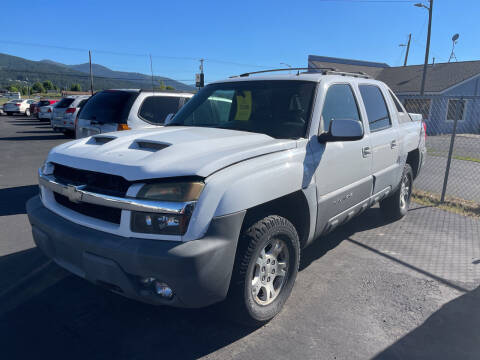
column 323, row 71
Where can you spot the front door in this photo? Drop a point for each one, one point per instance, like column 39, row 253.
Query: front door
column 343, row 169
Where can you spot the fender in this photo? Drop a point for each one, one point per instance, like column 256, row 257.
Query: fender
column 248, row 184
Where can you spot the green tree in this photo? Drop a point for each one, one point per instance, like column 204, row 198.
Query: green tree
column 162, row 85
column 38, row 87
column 48, row 85
column 169, row 87
column 12, row 88
column 76, row 87
column 24, row 90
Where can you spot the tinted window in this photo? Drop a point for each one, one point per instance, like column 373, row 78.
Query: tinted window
column 156, row 108
column 82, row 103
column 377, row 112
column 339, row 104
column 64, row 103
column 280, row 109
column 43, row 103
column 109, row 106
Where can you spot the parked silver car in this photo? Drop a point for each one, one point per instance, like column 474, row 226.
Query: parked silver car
column 65, row 112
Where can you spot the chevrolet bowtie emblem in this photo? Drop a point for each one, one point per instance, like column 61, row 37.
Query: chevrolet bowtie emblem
column 73, row 192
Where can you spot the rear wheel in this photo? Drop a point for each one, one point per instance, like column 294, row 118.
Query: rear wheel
column 9, row 113
column 27, row 112
column 265, row 270
column 396, row 206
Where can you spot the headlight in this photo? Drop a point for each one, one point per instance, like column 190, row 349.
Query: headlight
column 47, row 168
column 166, row 224
column 179, row 191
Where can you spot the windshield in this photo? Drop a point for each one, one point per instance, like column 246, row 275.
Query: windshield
column 277, row 108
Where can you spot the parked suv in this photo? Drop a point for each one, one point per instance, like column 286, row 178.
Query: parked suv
column 18, row 106
column 219, row 203
column 113, row 110
column 65, row 112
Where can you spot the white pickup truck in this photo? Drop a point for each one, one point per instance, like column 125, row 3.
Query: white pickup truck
column 218, row 204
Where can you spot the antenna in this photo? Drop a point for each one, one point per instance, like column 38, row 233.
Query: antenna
column 454, row 41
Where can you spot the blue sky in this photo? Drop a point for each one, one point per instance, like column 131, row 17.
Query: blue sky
column 234, row 37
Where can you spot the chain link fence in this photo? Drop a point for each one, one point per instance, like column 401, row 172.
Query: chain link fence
column 452, row 168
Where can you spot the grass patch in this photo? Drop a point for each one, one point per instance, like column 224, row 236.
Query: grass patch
column 452, row 204
column 457, row 157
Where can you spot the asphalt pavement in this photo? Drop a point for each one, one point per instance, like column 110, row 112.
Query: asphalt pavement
column 371, row 289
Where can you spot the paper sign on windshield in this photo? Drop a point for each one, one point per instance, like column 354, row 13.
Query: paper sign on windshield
column 244, row 106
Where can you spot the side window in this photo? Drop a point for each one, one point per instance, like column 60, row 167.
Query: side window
column 155, row 109
column 339, row 104
column 377, row 111
column 82, row 103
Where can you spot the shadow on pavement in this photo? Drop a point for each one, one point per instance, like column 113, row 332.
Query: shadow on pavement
column 452, row 332
column 36, row 132
column 14, row 199
column 74, row 319
column 371, row 218
column 33, row 137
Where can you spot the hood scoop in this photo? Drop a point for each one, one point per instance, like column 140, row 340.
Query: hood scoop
column 149, row 145
column 100, row 140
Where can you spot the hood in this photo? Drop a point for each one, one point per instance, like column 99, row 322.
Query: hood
column 165, row 152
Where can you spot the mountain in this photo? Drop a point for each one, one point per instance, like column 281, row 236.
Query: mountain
column 14, row 69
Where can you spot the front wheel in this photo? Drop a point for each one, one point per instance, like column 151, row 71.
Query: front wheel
column 265, row 270
column 396, row 206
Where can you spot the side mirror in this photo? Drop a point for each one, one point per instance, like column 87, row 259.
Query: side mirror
column 168, row 119
column 342, row 130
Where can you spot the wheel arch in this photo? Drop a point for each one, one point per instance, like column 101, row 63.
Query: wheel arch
column 294, row 207
column 413, row 159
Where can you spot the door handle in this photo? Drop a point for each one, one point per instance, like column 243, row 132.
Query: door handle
column 366, row 151
column 393, row 144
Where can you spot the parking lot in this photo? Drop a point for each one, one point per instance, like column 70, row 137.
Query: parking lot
column 408, row 289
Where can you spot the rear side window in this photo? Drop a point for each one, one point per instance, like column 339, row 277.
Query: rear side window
column 82, row 103
column 43, row 103
column 64, row 103
column 377, row 111
column 155, row 109
column 109, row 106
column 339, row 104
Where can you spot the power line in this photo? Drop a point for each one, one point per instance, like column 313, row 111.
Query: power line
column 87, row 76
column 108, row 52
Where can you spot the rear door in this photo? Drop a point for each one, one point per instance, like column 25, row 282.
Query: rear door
column 343, row 168
column 384, row 140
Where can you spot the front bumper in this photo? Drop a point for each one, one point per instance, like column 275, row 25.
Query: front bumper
column 198, row 271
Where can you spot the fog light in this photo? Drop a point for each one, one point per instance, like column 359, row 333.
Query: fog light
column 163, row 290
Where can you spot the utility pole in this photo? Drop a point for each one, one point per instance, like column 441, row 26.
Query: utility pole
column 200, row 78
column 408, row 49
column 427, row 49
column 151, row 70
column 91, row 75
column 407, row 45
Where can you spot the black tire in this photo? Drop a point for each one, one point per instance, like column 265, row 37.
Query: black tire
column 9, row 113
column 242, row 305
column 396, row 206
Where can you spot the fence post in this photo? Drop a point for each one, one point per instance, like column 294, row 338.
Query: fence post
column 450, row 151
